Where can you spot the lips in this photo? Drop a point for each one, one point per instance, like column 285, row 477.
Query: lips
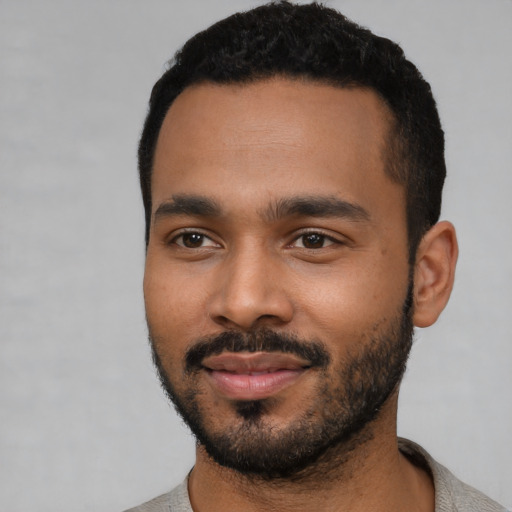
column 253, row 376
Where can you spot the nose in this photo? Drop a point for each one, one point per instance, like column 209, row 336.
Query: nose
column 250, row 292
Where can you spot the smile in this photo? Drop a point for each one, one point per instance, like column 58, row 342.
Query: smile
column 253, row 376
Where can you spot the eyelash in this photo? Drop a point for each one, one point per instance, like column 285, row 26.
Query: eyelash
column 191, row 232
column 323, row 238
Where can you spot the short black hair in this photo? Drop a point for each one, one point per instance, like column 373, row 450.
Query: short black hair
column 317, row 43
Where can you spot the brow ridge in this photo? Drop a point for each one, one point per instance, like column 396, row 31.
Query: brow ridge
column 316, row 206
column 185, row 204
column 304, row 206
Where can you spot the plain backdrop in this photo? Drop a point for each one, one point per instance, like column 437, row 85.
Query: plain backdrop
column 83, row 423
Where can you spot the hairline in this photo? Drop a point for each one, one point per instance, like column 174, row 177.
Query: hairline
column 394, row 161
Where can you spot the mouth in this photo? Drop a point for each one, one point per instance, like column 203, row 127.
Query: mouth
column 253, row 375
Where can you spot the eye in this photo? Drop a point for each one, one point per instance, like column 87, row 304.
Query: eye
column 194, row 240
column 313, row 240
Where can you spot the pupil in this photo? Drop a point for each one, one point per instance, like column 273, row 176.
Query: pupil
column 313, row 241
column 192, row 240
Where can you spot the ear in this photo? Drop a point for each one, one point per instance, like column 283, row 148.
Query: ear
column 434, row 273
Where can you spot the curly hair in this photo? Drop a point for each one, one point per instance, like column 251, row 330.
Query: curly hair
column 317, row 43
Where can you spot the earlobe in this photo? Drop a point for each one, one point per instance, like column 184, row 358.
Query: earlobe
column 434, row 273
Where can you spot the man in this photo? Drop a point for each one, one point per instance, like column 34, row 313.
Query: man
column 291, row 167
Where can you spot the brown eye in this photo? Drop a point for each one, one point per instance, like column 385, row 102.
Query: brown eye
column 194, row 240
column 313, row 241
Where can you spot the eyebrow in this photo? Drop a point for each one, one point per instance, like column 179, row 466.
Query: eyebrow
column 316, row 206
column 302, row 206
column 199, row 206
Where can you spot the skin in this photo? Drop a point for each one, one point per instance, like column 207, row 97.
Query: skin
column 249, row 148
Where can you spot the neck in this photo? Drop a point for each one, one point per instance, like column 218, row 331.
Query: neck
column 367, row 473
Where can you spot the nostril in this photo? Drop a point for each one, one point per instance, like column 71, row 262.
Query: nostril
column 247, row 323
column 221, row 319
column 272, row 318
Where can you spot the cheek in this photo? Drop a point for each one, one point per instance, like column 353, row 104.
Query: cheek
column 173, row 304
column 350, row 302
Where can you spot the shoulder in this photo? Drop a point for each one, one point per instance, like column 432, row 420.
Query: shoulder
column 451, row 495
column 175, row 501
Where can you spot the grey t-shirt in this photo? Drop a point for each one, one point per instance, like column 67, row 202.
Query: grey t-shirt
column 452, row 495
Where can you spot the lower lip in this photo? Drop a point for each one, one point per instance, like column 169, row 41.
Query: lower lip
column 238, row 386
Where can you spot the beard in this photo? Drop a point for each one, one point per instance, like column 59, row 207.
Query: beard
column 347, row 398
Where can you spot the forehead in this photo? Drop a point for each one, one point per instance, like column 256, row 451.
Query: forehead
column 272, row 136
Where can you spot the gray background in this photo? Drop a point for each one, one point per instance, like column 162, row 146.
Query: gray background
column 83, row 423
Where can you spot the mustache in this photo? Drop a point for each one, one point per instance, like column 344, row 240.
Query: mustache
column 263, row 340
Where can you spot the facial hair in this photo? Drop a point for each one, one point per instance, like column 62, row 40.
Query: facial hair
column 349, row 397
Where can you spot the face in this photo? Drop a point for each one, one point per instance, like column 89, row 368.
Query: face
column 277, row 283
